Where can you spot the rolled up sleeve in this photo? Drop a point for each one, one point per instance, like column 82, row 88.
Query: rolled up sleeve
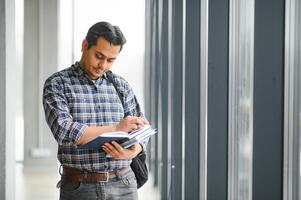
column 57, row 114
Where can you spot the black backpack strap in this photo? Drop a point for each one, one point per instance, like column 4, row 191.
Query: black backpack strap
column 111, row 80
column 138, row 164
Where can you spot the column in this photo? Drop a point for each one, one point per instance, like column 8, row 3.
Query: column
column 40, row 60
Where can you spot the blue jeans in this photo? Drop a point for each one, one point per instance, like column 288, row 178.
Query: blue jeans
column 120, row 187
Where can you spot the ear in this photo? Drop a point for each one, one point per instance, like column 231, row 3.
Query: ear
column 84, row 45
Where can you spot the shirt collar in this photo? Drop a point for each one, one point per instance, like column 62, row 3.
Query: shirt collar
column 81, row 73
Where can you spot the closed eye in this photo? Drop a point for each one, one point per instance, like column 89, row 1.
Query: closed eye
column 99, row 56
column 111, row 60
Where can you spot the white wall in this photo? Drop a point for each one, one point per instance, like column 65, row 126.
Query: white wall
column 11, row 101
column 65, row 34
column 2, row 101
column 130, row 17
column 13, row 89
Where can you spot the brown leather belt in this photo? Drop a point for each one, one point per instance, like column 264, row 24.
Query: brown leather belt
column 74, row 175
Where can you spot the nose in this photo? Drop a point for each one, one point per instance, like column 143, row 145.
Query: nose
column 103, row 63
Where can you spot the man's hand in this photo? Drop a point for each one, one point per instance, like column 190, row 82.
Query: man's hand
column 130, row 123
column 118, row 152
column 127, row 124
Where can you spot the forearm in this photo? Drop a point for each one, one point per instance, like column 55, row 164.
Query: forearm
column 128, row 124
column 91, row 132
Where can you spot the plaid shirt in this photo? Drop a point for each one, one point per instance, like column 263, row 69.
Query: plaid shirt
column 72, row 102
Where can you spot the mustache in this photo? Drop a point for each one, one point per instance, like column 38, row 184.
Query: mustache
column 98, row 68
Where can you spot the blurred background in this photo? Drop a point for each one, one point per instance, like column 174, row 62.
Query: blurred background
column 220, row 80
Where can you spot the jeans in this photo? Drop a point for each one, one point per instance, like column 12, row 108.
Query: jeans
column 120, row 187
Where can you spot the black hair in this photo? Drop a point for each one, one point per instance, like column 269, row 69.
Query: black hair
column 106, row 30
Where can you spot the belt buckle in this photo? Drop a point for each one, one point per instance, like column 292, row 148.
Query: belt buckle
column 107, row 177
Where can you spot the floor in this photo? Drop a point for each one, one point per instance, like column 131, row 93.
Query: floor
column 42, row 186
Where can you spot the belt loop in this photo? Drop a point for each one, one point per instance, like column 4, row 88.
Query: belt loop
column 60, row 170
column 117, row 174
column 59, row 184
column 85, row 174
column 108, row 176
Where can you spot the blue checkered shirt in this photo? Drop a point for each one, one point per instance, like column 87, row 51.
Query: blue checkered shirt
column 72, row 102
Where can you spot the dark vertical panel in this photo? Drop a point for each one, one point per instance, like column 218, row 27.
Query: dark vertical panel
column 148, row 81
column 151, row 81
column 153, row 85
column 217, row 99
column 159, row 94
column 192, row 99
column 163, row 90
column 2, row 100
column 177, row 100
column 147, row 59
column 268, row 99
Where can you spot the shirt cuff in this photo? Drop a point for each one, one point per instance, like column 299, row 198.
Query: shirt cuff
column 77, row 132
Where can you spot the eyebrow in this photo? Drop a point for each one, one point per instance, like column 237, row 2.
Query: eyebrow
column 98, row 52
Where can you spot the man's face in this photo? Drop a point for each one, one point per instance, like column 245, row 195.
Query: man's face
column 99, row 58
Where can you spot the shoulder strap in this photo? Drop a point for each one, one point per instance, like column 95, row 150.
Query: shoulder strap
column 110, row 78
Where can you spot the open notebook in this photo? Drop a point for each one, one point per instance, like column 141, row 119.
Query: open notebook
column 123, row 138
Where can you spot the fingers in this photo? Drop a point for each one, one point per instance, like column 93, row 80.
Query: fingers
column 118, row 152
column 131, row 127
column 130, row 123
column 117, row 146
column 137, row 120
column 115, row 150
column 144, row 121
column 109, row 149
column 140, row 122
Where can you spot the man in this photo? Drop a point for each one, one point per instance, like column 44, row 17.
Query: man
column 81, row 103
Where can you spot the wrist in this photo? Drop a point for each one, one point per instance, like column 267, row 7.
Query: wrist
column 139, row 149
